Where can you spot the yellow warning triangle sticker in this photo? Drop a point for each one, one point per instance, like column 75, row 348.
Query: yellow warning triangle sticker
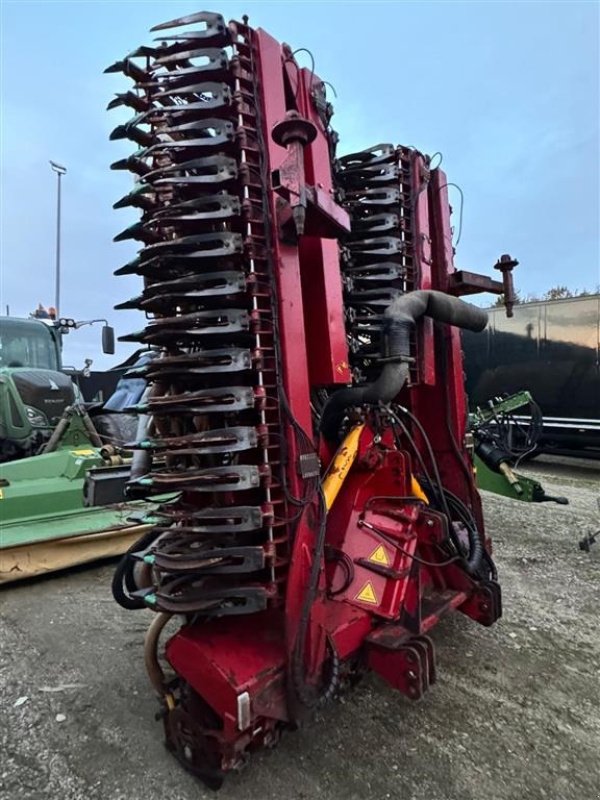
column 367, row 594
column 379, row 556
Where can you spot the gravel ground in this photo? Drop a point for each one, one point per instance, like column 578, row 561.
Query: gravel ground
column 515, row 714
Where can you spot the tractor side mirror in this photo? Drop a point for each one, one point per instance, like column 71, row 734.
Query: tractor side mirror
column 108, row 340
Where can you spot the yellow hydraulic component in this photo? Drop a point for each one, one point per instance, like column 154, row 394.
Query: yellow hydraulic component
column 417, row 490
column 340, row 467
column 343, row 460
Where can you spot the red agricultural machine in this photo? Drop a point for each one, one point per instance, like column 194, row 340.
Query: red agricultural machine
column 307, row 411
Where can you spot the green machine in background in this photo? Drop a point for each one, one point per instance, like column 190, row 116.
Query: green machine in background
column 35, row 386
column 66, row 506
column 501, row 439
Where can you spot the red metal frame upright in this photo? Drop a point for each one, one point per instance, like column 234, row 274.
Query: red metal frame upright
column 312, row 339
column 285, row 256
column 443, row 343
column 453, row 378
column 423, row 265
column 319, row 257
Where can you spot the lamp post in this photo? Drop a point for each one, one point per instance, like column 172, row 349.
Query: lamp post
column 60, row 171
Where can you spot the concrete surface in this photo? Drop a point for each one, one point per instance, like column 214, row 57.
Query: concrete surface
column 515, row 714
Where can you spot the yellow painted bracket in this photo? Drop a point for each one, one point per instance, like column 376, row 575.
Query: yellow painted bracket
column 417, row 490
column 340, row 467
column 342, row 462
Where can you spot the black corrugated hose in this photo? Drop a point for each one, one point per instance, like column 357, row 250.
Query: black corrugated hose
column 399, row 320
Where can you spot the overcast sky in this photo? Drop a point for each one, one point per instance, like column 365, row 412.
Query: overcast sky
column 508, row 92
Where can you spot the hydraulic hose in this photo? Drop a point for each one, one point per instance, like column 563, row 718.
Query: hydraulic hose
column 399, row 319
column 123, row 582
column 153, row 668
column 141, row 462
column 58, row 432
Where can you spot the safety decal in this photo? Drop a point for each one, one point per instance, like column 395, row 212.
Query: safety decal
column 379, row 556
column 367, row 594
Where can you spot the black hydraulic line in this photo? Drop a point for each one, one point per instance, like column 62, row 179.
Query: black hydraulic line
column 348, row 565
column 437, row 490
column 142, row 459
column 473, row 561
column 468, row 519
column 305, row 695
column 123, row 582
column 399, row 320
column 394, row 543
column 432, row 458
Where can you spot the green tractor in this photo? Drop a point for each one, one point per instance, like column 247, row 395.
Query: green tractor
column 35, row 390
column 63, row 464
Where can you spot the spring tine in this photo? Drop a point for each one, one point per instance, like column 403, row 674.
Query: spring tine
column 132, row 164
column 228, row 398
column 241, row 519
column 382, row 245
column 370, row 175
column 129, row 99
column 215, row 244
column 144, row 51
column 192, row 326
column 221, row 602
column 223, row 130
column 137, row 135
column 380, row 153
column 128, row 68
column 220, row 440
column 141, row 197
column 210, row 321
column 180, row 55
column 374, row 224
column 224, row 282
column 213, row 204
column 209, row 165
column 216, row 561
column 213, row 22
column 230, row 479
column 136, row 231
column 164, row 116
column 238, row 360
column 375, row 270
column 185, row 38
column 216, row 68
column 205, row 361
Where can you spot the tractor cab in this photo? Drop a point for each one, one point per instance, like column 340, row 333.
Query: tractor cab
column 34, row 389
